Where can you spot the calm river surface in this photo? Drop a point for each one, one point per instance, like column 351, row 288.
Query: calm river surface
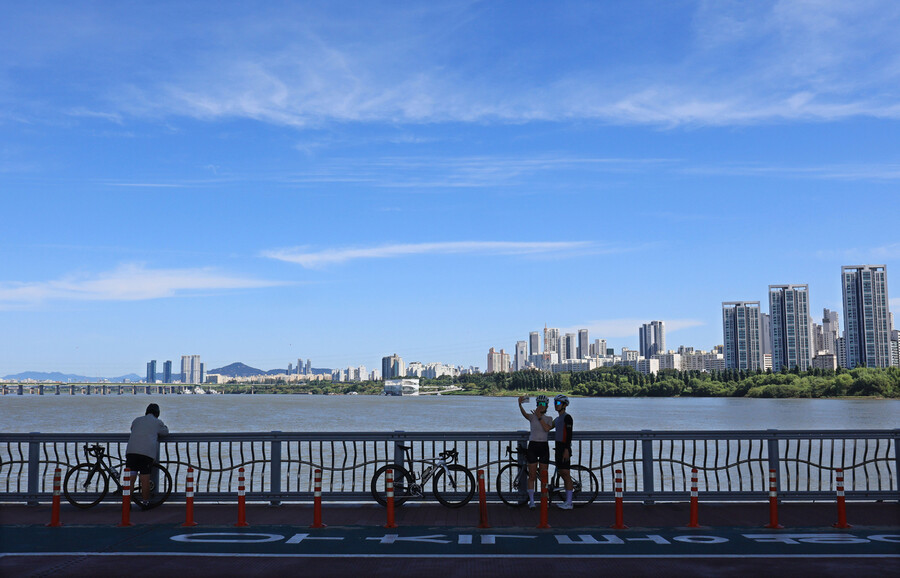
column 318, row 413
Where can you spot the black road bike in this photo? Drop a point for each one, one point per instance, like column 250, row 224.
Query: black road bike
column 453, row 486
column 87, row 483
column 512, row 483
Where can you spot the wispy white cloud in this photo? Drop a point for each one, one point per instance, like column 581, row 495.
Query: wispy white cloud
column 736, row 63
column 132, row 282
column 895, row 309
column 863, row 254
column 837, row 172
column 312, row 259
column 618, row 328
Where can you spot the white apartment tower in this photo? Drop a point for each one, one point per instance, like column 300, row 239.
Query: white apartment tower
column 790, row 326
column 867, row 331
column 830, row 331
column 652, row 338
column 191, row 369
column 740, row 329
column 551, row 340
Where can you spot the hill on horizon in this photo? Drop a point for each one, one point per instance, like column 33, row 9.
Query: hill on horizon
column 70, row 377
column 238, row 369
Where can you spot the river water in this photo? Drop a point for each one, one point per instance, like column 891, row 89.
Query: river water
column 323, row 413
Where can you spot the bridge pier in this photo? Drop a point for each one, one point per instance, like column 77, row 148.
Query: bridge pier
column 58, row 387
column 41, row 389
column 21, row 389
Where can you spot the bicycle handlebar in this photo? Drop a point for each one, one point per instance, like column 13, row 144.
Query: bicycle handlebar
column 95, row 450
column 451, row 454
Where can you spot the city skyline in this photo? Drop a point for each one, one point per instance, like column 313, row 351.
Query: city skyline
column 342, row 181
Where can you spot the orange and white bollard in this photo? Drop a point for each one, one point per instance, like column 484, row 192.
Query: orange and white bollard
column 620, row 523
column 842, row 508
column 482, row 502
column 189, row 498
column 694, row 523
column 773, row 503
column 126, row 500
column 545, row 500
column 242, row 504
column 54, row 513
column 317, row 501
column 389, row 493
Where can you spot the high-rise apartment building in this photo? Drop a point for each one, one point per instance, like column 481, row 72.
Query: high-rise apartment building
column 765, row 334
column 391, row 367
column 568, row 347
column 534, row 343
column 167, row 372
column 497, row 361
column 830, row 331
column 652, row 338
column 521, row 355
column 740, row 330
column 551, row 340
column 191, row 369
column 789, row 316
column 151, row 371
column 582, row 350
column 867, row 331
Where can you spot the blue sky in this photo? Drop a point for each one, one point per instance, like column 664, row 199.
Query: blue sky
column 345, row 180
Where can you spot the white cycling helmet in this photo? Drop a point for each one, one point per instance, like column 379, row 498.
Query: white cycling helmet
column 561, row 399
column 542, row 400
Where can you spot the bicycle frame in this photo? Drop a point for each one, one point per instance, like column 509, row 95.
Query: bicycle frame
column 101, row 465
column 427, row 473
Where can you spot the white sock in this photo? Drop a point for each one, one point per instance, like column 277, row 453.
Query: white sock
column 530, row 496
column 568, row 496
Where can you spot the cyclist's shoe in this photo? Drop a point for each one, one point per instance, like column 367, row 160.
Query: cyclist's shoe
column 564, row 506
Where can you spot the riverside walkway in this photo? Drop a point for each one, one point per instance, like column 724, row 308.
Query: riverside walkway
column 431, row 539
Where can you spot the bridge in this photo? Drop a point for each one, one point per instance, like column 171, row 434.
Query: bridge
column 101, row 388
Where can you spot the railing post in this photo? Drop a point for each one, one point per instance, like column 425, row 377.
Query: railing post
column 34, row 470
column 275, row 474
column 897, row 458
column 647, row 464
column 774, row 460
column 398, row 452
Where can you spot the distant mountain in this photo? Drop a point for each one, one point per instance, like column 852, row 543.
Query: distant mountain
column 69, row 377
column 239, row 369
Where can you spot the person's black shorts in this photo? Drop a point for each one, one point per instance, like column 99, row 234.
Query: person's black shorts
column 562, row 464
column 538, row 452
column 138, row 463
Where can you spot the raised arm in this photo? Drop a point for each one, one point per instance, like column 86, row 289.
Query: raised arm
column 522, row 409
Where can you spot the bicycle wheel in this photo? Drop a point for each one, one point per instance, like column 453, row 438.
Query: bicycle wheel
column 455, row 486
column 85, row 485
column 160, row 488
column 584, row 486
column 512, row 485
column 403, row 482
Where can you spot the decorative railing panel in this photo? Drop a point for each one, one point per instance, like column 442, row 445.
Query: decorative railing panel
column 732, row 465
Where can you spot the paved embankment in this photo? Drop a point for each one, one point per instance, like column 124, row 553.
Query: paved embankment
column 431, row 538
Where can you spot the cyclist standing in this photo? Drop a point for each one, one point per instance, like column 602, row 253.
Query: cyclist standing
column 538, row 453
column 563, row 448
column 143, row 445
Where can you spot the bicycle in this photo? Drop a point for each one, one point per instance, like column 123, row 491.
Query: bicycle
column 512, row 483
column 453, row 486
column 87, row 483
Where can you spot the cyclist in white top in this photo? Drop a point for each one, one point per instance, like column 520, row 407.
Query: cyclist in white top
column 538, row 454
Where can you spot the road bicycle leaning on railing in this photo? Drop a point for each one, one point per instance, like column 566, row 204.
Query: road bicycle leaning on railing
column 87, row 483
column 512, row 483
column 453, row 486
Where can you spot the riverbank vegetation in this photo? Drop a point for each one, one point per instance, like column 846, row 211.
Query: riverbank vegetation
column 623, row 381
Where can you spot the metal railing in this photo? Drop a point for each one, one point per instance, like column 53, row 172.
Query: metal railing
column 733, row 465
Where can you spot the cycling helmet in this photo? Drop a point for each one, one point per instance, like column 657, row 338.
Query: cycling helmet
column 561, row 399
column 542, row 400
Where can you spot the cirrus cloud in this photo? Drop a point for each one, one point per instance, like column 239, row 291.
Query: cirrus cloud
column 313, row 259
column 129, row 282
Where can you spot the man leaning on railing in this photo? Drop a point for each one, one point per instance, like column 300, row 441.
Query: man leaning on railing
column 143, row 444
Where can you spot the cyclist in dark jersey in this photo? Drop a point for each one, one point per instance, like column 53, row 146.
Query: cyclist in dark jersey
column 563, row 449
